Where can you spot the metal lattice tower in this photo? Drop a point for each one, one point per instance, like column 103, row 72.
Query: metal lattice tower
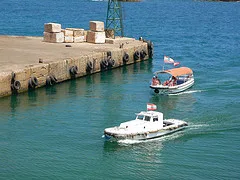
column 114, row 18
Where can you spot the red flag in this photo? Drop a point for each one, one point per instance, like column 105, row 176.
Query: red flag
column 168, row 60
column 151, row 107
column 176, row 63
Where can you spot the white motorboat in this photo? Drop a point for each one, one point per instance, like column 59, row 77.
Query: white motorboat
column 180, row 80
column 147, row 125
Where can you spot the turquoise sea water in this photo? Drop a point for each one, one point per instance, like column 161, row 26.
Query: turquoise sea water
column 56, row 133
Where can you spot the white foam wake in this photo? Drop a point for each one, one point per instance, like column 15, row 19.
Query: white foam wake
column 197, row 126
column 187, row 92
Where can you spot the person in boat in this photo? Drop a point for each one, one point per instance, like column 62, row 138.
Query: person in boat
column 171, row 82
column 155, row 80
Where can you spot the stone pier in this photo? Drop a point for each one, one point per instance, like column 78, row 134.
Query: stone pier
column 27, row 63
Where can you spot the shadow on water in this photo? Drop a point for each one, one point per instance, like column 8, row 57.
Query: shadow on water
column 147, row 145
column 50, row 91
column 14, row 102
column 170, row 101
column 140, row 67
column 175, row 106
column 32, row 95
column 73, row 86
column 164, row 102
column 38, row 97
column 85, row 86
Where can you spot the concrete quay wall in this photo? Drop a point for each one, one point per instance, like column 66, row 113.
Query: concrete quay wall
column 28, row 63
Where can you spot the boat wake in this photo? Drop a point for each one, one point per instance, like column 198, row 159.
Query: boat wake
column 187, row 92
column 197, row 126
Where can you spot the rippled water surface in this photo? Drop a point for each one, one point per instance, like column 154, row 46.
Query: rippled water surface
column 56, row 132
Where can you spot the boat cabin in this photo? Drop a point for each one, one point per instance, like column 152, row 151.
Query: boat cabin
column 151, row 116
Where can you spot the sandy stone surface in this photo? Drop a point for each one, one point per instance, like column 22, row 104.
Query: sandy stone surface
column 16, row 52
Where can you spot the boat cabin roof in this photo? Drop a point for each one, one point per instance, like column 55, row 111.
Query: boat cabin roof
column 150, row 116
column 148, row 113
column 177, row 71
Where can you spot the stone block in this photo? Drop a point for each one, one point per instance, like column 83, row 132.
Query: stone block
column 119, row 40
column 60, row 69
column 40, row 71
column 97, row 57
column 117, row 56
column 76, row 31
column 52, row 27
column 109, row 33
column 67, row 32
column 85, row 34
column 96, row 37
column 97, row 26
column 22, row 75
column 79, row 39
column 53, row 37
column 5, row 83
column 68, row 39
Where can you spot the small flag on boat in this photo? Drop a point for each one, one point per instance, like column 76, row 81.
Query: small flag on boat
column 151, row 107
column 168, row 60
column 176, row 63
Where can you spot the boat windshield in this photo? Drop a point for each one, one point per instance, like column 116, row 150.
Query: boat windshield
column 163, row 77
column 147, row 118
column 140, row 117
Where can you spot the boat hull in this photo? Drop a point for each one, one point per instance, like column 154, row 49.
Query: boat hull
column 160, row 89
column 115, row 136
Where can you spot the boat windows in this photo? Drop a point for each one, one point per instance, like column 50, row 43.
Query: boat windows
column 140, row 117
column 180, row 81
column 147, row 118
column 155, row 119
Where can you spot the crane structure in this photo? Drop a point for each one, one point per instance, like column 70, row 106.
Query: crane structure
column 114, row 20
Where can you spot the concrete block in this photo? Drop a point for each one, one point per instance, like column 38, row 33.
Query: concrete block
column 5, row 83
column 109, row 33
column 85, row 34
column 117, row 56
column 119, row 40
column 23, row 76
column 96, row 37
column 97, row 26
column 40, row 71
column 68, row 39
column 81, row 64
column 52, row 27
column 79, row 39
column 97, row 57
column 60, row 69
column 53, row 37
column 67, row 32
column 76, row 31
